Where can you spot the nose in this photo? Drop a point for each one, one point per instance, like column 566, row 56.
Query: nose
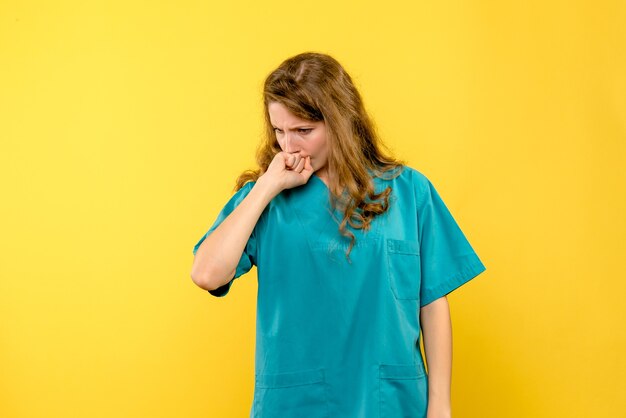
column 289, row 145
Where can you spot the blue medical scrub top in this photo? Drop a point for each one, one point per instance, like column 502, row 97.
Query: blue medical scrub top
column 341, row 339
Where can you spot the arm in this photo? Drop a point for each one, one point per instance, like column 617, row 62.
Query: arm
column 437, row 333
column 217, row 257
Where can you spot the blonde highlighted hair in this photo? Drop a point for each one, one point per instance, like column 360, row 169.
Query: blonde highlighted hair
column 315, row 87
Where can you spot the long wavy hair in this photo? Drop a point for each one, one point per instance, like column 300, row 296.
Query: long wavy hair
column 315, row 87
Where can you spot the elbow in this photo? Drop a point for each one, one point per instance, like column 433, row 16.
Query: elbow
column 200, row 277
column 209, row 279
column 199, row 280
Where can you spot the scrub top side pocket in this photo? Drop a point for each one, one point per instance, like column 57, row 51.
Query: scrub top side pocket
column 296, row 394
column 249, row 255
column 403, row 391
column 447, row 258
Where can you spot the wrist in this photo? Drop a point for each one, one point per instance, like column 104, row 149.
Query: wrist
column 269, row 188
column 439, row 407
column 436, row 413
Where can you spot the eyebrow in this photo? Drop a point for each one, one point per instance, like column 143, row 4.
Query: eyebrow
column 295, row 127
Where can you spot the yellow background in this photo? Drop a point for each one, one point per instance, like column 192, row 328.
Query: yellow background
column 123, row 125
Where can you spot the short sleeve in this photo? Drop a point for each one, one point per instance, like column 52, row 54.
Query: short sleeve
column 446, row 256
column 248, row 257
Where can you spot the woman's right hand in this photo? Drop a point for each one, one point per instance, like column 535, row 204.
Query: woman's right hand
column 288, row 170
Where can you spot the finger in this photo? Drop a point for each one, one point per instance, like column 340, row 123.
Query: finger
column 308, row 167
column 288, row 160
column 307, row 163
column 296, row 159
column 300, row 165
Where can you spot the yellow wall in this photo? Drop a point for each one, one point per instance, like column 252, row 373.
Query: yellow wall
column 123, row 125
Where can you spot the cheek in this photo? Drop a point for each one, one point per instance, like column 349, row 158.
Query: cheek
column 317, row 146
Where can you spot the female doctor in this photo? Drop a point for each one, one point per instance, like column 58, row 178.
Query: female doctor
column 355, row 254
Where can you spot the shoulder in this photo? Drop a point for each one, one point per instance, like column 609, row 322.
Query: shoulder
column 415, row 176
column 247, row 186
column 412, row 178
column 413, row 182
column 237, row 197
column 245, row 189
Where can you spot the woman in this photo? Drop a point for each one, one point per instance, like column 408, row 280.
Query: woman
column 355, row 253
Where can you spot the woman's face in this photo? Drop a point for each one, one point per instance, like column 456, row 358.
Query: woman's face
column 297, row 135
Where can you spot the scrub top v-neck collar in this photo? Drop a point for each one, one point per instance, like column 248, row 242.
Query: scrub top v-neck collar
column 319, row 180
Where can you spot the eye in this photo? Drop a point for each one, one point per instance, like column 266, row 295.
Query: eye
column 305, row 130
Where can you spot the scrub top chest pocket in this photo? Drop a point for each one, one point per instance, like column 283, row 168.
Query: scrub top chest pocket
column 404, row 268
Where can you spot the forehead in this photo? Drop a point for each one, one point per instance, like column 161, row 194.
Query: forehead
column 280, row 114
